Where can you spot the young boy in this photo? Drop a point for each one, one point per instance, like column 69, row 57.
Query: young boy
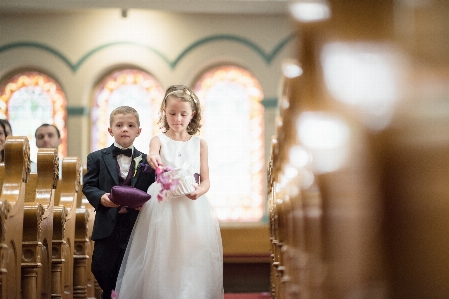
column 108, row 167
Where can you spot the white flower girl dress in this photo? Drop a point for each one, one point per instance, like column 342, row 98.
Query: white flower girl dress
column 175, row 250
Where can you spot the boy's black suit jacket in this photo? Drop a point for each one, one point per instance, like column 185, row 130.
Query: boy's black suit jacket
column 101, row 176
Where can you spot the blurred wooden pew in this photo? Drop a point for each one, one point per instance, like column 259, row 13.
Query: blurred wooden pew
column 38, row 226
column 83, row 280
column 15, row 176
column 46, row 225
column 64, row 221
column 325, row 210
column 374, row 223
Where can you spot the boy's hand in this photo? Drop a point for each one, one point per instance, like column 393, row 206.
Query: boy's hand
column 105, row 201
column 154, row 161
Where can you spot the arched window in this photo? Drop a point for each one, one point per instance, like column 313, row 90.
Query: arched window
column 29, row 99
column 233, row 129
column 128, row 87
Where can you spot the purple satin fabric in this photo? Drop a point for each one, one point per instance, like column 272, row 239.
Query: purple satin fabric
column 128, row 196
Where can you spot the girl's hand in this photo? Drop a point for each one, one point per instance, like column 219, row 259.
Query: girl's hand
column 105, row 201
column 154, row 161
column 197, row 193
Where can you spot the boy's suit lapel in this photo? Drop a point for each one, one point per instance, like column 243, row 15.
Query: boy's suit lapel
column 111, row 163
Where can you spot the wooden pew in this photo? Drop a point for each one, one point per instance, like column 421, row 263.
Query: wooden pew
column 16, row 173
column 38, row 226
column 64, row 217
column 274, row 278
column 83, row 280
column 93, row 288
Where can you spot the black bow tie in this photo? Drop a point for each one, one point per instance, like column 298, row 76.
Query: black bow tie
column 118, row 151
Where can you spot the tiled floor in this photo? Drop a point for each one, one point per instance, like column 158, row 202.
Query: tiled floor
column 247, row 296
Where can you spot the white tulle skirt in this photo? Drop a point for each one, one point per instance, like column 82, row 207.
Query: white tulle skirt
column 175, row 251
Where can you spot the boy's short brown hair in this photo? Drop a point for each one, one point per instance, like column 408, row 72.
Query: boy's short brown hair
column 124, row 110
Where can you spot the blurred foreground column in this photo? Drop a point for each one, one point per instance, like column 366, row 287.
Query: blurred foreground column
column 347, row 92
column 414, row 158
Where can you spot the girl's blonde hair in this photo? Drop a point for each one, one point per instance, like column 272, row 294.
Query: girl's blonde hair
column 184, row 94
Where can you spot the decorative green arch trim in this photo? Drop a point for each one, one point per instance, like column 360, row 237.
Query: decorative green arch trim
column 270, row 102
column 76, row 66
column 97, row 49
column 77, row 111
column 267, row 57
column 38, row 46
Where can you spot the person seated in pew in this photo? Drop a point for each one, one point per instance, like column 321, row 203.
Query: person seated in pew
column 3, row 135
column 7, row 126
column 47, row 136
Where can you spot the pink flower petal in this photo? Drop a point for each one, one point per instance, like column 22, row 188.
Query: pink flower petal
column 159, row 170
column 164, row 179
column 114, row 294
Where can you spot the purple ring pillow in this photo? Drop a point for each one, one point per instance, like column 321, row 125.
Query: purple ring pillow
column 128, row 196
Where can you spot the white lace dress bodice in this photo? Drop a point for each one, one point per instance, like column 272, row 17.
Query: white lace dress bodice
column 184, row 158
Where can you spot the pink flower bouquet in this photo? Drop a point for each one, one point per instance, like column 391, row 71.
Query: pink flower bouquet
column 165, row 179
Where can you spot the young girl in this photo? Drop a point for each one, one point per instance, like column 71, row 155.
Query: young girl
column 175, row 249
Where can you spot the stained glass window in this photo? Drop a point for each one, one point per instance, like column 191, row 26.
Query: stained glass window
column 128, row 87
column 233, row 129
column 28, row 100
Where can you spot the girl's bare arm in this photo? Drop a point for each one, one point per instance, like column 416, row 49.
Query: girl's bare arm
column 153, row 157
